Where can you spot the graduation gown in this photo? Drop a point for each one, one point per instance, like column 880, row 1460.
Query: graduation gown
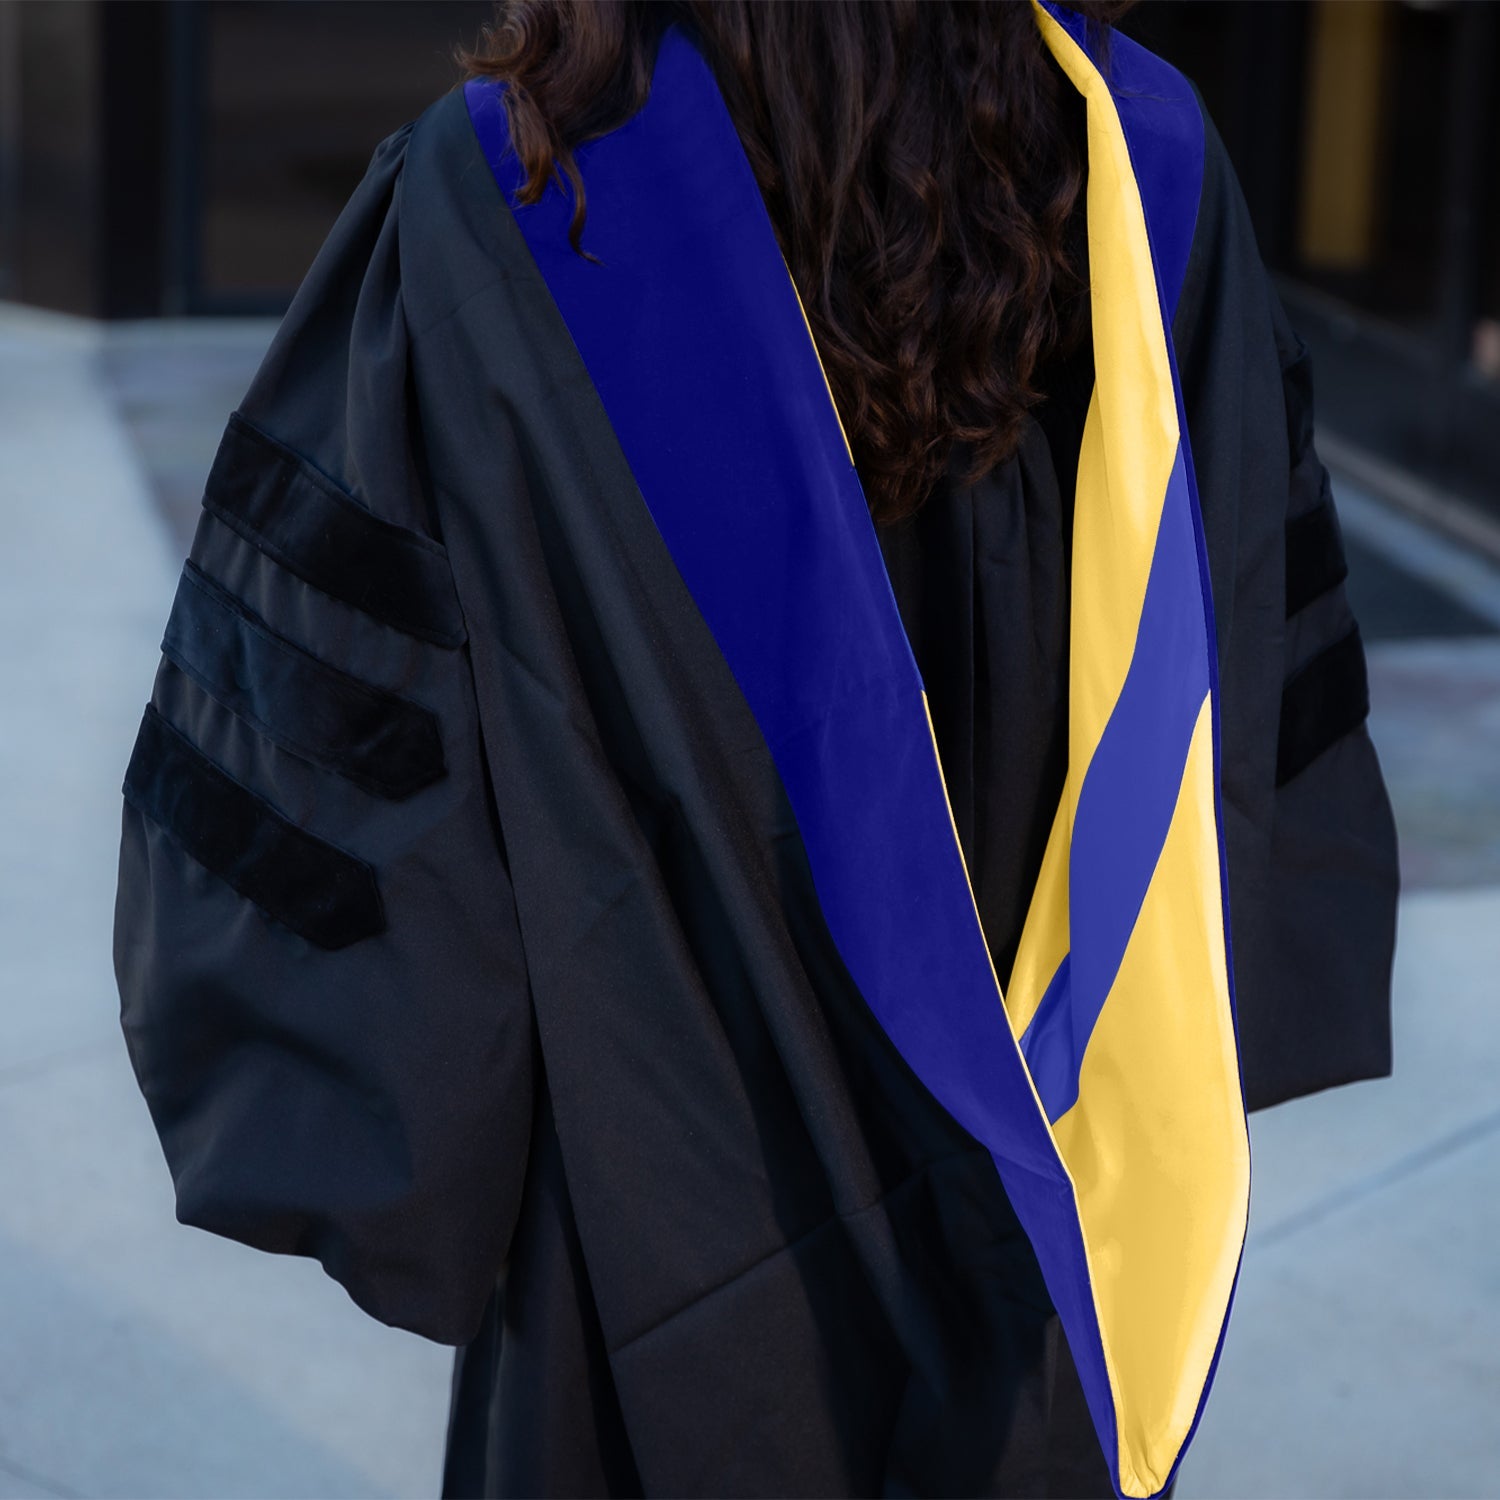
column 474, row 937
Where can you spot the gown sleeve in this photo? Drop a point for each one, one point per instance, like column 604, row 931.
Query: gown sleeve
column 321, row 979
column 1309, row 836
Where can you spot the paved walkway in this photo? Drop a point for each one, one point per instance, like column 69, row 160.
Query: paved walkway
column 143, row 1359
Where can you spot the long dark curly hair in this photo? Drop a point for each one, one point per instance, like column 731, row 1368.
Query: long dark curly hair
column 918, row 168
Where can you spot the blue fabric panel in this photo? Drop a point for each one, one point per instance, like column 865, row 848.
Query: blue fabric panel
column 1126, row 803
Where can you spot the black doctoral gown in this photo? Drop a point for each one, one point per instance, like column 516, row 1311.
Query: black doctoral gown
column 467, row 941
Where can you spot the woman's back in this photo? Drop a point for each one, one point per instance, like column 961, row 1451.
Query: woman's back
column 539, row 898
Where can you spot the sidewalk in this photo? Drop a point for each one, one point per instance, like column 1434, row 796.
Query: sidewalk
column 144, row 1359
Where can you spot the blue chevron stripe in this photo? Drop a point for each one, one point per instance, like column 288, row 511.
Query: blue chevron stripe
column 1126, row 802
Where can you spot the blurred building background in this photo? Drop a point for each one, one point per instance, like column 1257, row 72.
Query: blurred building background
column 168, row 168
column 168, row 157
column 1367, row 138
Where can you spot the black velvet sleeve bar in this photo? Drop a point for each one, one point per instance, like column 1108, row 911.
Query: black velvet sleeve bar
column 282, row 504
column 379, row 740
column 1325, row 699
column 1315, row 561
column 309, row 886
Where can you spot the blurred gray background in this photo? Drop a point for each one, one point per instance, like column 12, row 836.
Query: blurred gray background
column 167, row 170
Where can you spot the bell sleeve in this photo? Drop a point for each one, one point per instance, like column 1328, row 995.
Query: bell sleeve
column 1309, row 835
column 322, row 985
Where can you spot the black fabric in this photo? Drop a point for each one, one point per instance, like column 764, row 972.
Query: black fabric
column 980, row 575
column 287, row 508
column 602, row 1103
column 1315, row 561
column 327, row 896
column 981, row 578
column 540, row 1352
column 379, row 740
column 1324, row 699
